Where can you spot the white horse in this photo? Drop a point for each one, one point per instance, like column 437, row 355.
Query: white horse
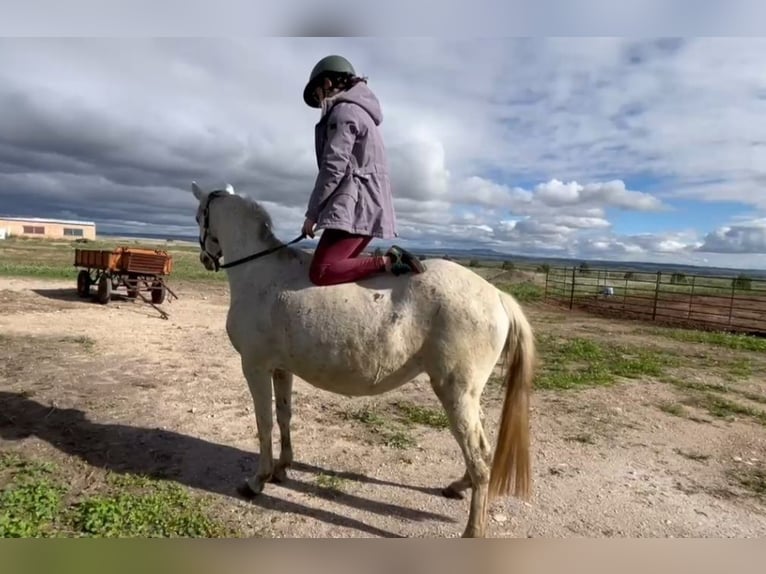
column 368, row 338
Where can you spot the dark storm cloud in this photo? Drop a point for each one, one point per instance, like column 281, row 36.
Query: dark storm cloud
column 61, row 156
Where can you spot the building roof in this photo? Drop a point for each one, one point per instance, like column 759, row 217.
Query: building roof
column 45, row 220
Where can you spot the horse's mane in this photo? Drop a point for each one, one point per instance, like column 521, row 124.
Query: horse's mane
column 255, row 211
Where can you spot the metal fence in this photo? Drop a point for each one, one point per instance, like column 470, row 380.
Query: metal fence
column 730, row 303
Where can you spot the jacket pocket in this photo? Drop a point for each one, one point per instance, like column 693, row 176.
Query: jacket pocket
column 342, row 206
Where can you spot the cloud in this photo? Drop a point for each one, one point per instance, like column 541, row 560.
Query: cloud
column 613, row 193
column 529, row 145
column 748, row 237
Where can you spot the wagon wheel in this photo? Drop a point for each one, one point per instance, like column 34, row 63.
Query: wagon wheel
column 104, row 290
column 83, row 283
column 158, row 292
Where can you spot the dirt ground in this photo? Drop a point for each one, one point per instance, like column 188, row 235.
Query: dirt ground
column 116, row 387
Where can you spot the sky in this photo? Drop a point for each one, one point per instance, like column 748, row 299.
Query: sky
column 649, row 149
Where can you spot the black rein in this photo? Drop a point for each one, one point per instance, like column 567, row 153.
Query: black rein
column 261, row 253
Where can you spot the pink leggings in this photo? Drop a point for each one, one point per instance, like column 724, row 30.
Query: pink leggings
column 336, row 259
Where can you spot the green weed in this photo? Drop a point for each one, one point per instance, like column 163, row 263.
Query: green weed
column 36, row 501
column 580, row 362
column 523, row 292
column 724, row 408
column 387, row 431
column 416, row 414
column 717, row 338
column 330, row 482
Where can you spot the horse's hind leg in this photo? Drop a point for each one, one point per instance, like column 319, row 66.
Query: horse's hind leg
column 259, row 383
column 461, row 404
column 283, row 394
column 455, row 489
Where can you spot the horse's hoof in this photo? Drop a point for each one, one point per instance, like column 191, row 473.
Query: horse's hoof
column 280, row 475
column 449, row 492
column 251, row 487
column 244, row 490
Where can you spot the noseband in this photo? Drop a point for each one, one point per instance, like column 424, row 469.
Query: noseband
column 216, row 258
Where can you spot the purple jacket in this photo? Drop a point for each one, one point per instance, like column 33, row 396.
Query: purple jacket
column 352, row 191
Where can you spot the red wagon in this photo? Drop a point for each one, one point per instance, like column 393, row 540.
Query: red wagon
column 135, row 269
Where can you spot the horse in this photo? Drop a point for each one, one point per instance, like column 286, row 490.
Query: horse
column 370, row 337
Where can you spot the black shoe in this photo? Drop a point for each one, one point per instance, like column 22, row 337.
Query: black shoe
column 402, row 261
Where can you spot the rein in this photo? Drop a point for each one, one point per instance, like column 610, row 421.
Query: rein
column 240, row 261
column 261, row 253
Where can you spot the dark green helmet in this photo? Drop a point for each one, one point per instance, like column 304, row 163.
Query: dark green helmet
column 327, row 65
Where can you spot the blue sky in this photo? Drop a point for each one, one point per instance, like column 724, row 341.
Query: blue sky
column 641, row 149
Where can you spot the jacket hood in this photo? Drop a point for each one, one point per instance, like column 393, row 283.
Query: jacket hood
column 363, row 96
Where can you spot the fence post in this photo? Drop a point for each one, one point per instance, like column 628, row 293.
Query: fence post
column 625, row 292
column 547, row 273
column 656, row 295
column 691, row 298
column 571, row 294
column 731, row 299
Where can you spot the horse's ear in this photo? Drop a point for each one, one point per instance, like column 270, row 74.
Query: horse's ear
column 196, row 190
column 229, row 189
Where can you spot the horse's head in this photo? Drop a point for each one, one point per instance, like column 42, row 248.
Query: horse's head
column 210, row 248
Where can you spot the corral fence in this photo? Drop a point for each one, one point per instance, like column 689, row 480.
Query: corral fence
column 698, row 301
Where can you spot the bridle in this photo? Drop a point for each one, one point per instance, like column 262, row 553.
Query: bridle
column 216, row 258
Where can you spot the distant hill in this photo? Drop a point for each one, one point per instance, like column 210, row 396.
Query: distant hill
column 492, row 255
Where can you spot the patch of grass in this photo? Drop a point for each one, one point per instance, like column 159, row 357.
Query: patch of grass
column 416, row 414
column 699, row 391
column 128, row 481
column 387, row 431
column 698, row 386
column 524, row 292
column 673, row 409
column 755, row 397
column 36, row 501
column 398, row 439
column 29, row 508
column 718, row 338
column 30, row 501
column 723, row 408
column 330, row 482
column 367, row 416
column 164, row 510
column 580, row 362
column 742, row 368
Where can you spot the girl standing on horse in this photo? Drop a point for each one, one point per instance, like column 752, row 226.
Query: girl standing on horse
column 351, row 199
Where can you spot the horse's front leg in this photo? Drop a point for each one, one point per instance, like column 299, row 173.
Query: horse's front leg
column 283, row 394
column 259, row 382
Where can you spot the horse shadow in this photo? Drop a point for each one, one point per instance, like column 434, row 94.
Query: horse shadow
column 187, row 460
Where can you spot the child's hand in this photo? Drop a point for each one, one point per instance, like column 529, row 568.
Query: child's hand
column 308, row 227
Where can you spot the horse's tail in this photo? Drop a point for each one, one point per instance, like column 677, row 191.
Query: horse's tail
column 511, row 468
